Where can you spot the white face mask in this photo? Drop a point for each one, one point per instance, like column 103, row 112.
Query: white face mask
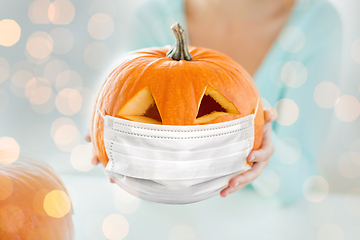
column 176, row 164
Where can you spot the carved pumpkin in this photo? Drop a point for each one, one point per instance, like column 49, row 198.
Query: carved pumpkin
column 34, row 204
column 177, row 86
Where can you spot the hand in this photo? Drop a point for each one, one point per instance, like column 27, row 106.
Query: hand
column 260, row 158
column 94, row 159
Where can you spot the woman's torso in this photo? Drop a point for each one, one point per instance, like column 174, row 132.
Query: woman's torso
column 244, row 30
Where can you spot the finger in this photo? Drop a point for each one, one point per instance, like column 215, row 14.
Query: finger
column 250, row 175
column 87, row 138
column 270, row 114
column 267, row 149
column 237, row 188
column 267, row 115
column 95, row 161
column 263, row 154
column 230, row 190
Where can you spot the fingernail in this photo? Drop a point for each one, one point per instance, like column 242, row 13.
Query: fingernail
column 236, row 184
column 252, row 159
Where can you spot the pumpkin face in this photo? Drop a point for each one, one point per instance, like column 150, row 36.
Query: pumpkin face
column 149, row 87
column 33, row 203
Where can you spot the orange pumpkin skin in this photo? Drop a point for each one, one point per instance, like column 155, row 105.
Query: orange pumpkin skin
column 23, row 187
column 177, row 88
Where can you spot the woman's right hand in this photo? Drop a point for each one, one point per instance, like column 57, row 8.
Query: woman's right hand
column 94, row 160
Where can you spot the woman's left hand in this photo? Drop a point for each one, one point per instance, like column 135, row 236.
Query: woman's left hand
column 260, row 158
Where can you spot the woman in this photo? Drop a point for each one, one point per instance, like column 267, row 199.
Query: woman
column 288, row 46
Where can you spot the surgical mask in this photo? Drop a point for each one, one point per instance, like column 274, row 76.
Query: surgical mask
column 176, row 164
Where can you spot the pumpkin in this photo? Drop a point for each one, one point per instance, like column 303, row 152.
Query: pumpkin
column 177, row 85
column 34, row 204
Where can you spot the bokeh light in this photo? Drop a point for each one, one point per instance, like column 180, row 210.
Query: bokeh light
column 40, row 94
column 355, row 50
column 348, row 165
column 180, row 232
column 347, row 109
column 96, row 55
column 19, row 81
column 288, row 112
column 58, row 123
column 38, row 90
column 80, row 158
column 290, row 150
column 38, row 11
column 39, row 45
column 46, row 107
column 4, row 69
column 53, row 69
column 267, row 183
column 57, row 204
column 326, row 94
column 93, row 227
column 61, row 12
column 103, row 6
column 115, row 227
column 68, row 79
column 294, row 74
column 4, row 100
column 68, row 101
column 352, row 202
column 9, row 150
column 101, row 26
column 320, row 214
column 6, row 186
column 10, row 32
column 315, row 189
column 330, row 232
column 292, row 39
column 65, row 134
column 124, row 202
column 63, row 40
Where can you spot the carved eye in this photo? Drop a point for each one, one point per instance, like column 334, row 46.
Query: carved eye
column 142, row 108
column 214, row 105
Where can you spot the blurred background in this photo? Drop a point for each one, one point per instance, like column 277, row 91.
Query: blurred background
column 54, row 55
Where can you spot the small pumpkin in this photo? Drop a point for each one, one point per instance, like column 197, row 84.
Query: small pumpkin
column 34, row 204
column 177, row 85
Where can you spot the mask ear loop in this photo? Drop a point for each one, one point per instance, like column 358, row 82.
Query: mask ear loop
column 102, row 115
column 257, row 106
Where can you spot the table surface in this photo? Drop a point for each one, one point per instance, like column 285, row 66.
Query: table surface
column 242, row 215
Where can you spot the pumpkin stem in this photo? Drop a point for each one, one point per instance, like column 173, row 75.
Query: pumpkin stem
column 180, row 50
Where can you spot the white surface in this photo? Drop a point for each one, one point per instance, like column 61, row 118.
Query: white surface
column 242, row 215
